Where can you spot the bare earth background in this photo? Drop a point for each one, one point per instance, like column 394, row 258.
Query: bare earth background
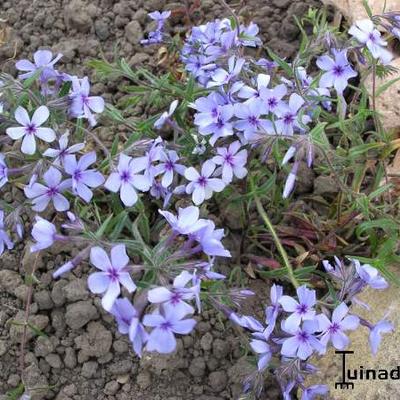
column 83, row 357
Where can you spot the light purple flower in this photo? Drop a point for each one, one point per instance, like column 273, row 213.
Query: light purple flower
column 186, row 222
column 375, row 338
column 288, row 114
column 63, row 150
column 31, row 128
column 334, row 330
column 301, row 310
column 370, row 275
column 166, row 115
column 42, row 60
column 232, row 161
column 126, row 180
column 202, row 185
column 313, row 391
column 222, row 77
column 272, row 311
column 160, row 17
column 338, row 71
column 250, row 121
column 210, row 240
column 82, row 177
column 364, row 31
column 3, row 171
column 151, row 156
column 176, row 297
column 128, row 321
column 209, row 108
column 290, row 181
column 82, row 104
column 5, row 240
column 165, row 324
column 303, row 342
column 113, row 273
column 44, row 233
column 261, row 348
column 249, row 93
column 272, row 98
column 220, row 125
column 41, row 194
column 168, row 165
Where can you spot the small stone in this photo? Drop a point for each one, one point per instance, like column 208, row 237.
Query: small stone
column 120, row 346
column 325, row 185
column 57, row 293
column 54, row 361
column 120, row 367
column 89, row 369
column 70, row 358
column 77, row 17
column 133, row 32
column 43, row 300
column 203, row 327
column 44, row 346
column 197, row 367
column 221, row 348
column 96, row 342
column 9, row 281
column 206, row 341
column 76, row 290
column 218, row 380
column 102, row 30
column 143, row 380
column 111, row 388
column 80, row 313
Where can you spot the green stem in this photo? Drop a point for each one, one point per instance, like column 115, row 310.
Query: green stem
column 278, row 243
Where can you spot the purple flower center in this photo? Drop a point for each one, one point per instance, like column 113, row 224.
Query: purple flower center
column 166, row 326
column 372, row 37
column 169, row 165
column 125, row 176
column 302, row 336
column 176, row 298
column 113, row 274
column 335, row 327
column 77, row 175
column 338, row 70
column 302, row 309
column 272, row 102
column 229, row 159
column 202, row 181
column 30, row 129
column 214, row 112
column 220, row 123
column 52, row 191
column 85, row 99
column 288, row 119
column 253, row 120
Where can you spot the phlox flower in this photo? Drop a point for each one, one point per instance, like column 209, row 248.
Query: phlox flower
column 63, row 150
column 272, row 98
column 314, row 391
column 128, row 320
column 232, row 161
column 43, row 60
column 301, row 310
column 31, row 128
column 338, row 71
column 41, row 194
column 82, row 104
column 5, row 240
column 302, row 343
column 186, row 222
column 272, row 311
column 376, row 331
column 83, row 178
column 210, row 240
column 249, row 93
column 175, row 298
column 288, row 115
column 202, row 185
column 370, row 275
column 366, row 33
column 113, row 273
column 126, row 179
column 3, row 171
column 166, row 115
column 222, row 77
column 168, row 165
column 167, row 322
column 261, row 347
column 333, row 330
column 44, row 233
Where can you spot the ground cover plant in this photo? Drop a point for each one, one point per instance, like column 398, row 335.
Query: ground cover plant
column 228, row 124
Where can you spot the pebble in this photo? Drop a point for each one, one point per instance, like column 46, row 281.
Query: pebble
column 80, row 313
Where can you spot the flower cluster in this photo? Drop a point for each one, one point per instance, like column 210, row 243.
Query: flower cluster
column 298, row 327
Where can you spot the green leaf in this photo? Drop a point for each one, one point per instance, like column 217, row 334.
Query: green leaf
column 16, row 393
column 367, row 8
column 318, row 136
column 386, row 224
column 386, row 86
column 100, row 232
column 283, row 64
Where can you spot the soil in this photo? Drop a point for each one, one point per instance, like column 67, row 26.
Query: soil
column 82, row 356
